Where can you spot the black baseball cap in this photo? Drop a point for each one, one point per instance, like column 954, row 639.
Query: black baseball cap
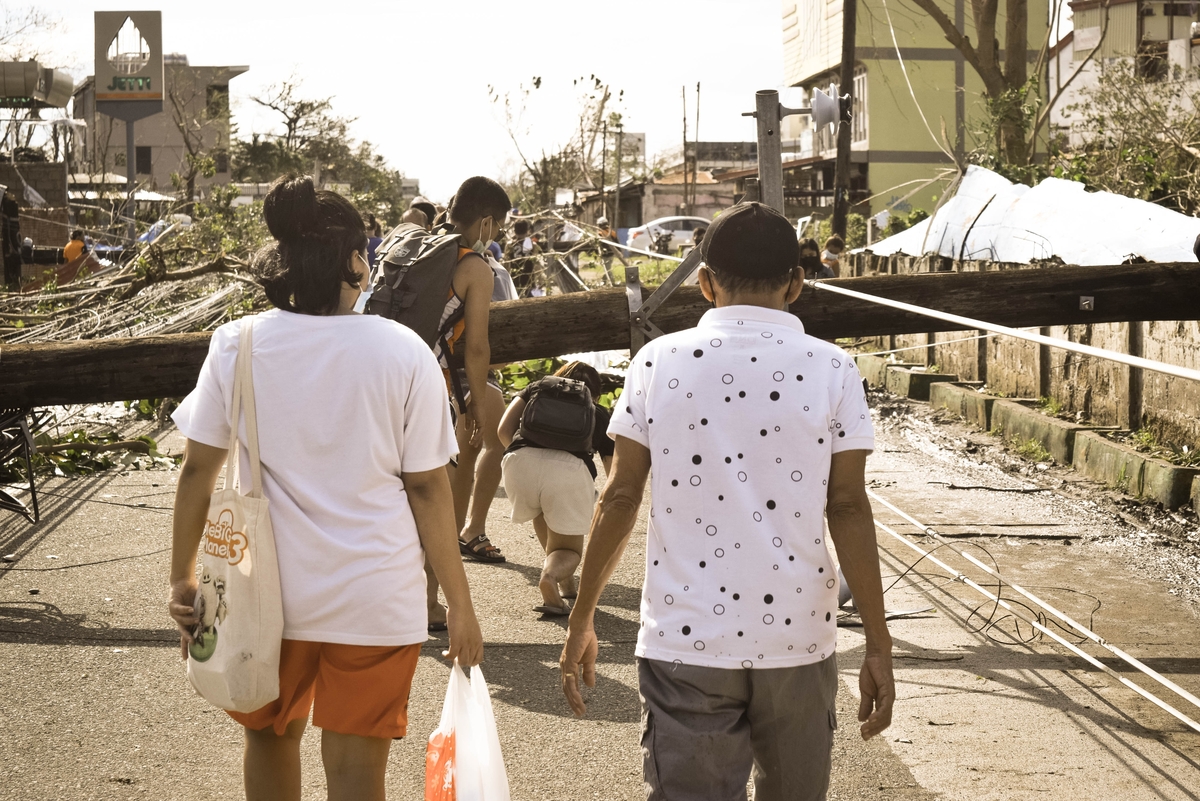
column 751, row 240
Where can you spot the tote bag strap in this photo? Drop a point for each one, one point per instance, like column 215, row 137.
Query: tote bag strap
column 247, row 392
column 243, row 399
column 231, row 460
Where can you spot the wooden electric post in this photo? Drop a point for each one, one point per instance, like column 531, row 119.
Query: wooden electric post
column 841, row 173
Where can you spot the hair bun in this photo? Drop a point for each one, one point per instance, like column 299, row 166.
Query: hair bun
column 290, row 208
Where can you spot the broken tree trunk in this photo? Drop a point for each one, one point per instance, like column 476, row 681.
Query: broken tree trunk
column 99, row 370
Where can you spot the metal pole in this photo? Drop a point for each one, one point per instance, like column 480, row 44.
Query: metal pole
column 686, row 207
column 770, row 148
column 603, row 164
column 696, row 138
column 841, row 170
column 616, row 220
column 131, row 181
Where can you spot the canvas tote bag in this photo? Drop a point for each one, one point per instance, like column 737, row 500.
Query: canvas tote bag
column 233, row 661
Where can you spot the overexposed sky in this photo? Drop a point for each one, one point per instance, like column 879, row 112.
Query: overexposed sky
column 416, row 74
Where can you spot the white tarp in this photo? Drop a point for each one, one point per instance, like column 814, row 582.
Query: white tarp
column 1003, row 221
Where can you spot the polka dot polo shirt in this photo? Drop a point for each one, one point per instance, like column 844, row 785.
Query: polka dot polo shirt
column 742, row 415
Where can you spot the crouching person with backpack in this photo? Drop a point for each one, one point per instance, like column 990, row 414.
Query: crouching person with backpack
column 552, row 430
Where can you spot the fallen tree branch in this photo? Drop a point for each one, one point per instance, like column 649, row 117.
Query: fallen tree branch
column 132, row 445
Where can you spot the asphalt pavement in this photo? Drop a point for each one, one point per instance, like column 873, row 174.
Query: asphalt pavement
column 94, row 702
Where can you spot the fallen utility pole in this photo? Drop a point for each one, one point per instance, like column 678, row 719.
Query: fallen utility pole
column 101, row 370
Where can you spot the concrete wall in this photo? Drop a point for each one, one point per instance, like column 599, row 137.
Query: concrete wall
column 1103, row 392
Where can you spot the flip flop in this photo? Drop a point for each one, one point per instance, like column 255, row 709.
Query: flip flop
column 434, row 628
column 553, row 611
column 481, row 550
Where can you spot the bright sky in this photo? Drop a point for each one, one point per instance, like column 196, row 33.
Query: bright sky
column 416, row 74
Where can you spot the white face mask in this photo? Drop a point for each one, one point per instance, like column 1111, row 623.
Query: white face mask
column 480, row 245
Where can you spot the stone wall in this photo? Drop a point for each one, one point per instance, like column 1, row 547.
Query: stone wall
column 1100, row 391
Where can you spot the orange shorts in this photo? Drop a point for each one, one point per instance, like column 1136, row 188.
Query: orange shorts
column 359, row 689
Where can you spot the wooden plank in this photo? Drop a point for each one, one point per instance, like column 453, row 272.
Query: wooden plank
column 93, row 371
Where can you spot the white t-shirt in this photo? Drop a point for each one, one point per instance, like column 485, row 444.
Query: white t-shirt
column 345, row 404
column 742, row 415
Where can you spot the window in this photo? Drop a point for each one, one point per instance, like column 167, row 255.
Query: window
column 142, row 160
column 217, row 102
column 858, row 109
column 221, row 157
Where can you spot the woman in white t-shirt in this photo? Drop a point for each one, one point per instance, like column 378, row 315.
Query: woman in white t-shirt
column 354, row 437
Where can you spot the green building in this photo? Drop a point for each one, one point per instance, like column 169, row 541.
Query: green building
column 895, row 150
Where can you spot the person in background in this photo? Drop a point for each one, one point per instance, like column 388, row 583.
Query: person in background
column 427, row 208
column 554, row 489
column 477, row 214
column 415, row 217
column 75, row 248
column 10, row 237
column 756, row 433
column 810, row 260
column 832, row 257
column 374, row 237
column 354, row 444
column 523, row 258
column 606, row 234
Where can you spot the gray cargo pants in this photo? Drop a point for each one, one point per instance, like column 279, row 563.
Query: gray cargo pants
column 704, row 728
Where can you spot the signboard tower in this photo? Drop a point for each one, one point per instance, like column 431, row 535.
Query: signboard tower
column 129, row 78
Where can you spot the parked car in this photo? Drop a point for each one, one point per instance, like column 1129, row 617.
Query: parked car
column 681, row 229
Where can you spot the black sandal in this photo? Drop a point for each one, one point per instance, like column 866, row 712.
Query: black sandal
column 481, row 550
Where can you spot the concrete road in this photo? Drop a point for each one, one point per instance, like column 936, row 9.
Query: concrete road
column 94, row 702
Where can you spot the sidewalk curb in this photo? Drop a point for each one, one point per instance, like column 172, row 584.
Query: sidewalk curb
column 1123, row 468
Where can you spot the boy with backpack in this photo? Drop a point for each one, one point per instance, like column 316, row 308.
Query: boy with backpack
column 442, row 285
column 551, row 430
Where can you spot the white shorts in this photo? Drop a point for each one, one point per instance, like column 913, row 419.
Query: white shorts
column 540, row 481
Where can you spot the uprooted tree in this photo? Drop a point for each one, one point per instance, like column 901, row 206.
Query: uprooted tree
column 577, row 162
column 311, row 138
column 1018, row 109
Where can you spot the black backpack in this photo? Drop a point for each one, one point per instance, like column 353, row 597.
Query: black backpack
column 559, row 415
column 413, row 278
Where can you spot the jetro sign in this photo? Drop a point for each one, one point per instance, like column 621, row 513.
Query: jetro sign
column 129, row 58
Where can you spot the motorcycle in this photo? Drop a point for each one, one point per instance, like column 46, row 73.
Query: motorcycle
column 662, row 243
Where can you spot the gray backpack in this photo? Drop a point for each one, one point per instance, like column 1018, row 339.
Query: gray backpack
column 412, row 283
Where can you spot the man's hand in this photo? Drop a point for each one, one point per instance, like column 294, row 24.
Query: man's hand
column 466, row 640
column 180, row 604
column 474, row 420
column 578, row 661
column 878, row 691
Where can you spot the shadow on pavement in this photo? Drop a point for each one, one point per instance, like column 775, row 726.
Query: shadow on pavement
column 45, row 624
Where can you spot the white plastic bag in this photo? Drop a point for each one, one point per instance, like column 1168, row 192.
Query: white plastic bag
column 463, row 760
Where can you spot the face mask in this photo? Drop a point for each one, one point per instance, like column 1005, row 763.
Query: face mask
column 480, row 245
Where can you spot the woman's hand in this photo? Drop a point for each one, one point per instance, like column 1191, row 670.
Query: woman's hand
column 466, row 639
column 180, row 603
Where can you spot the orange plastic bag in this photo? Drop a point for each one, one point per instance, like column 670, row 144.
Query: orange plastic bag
column 439, row 767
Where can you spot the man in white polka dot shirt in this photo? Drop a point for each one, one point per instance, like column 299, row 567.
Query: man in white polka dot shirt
column 756, row 433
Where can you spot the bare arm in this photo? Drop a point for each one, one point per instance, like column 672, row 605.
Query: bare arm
column 852, row 527
column 476, row 292
column 433, row 509
column 612, row 524
column 201, row 466
column 511, row 421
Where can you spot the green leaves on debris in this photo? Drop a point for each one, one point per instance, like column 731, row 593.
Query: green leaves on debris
column 518, row 375
column 81, row 453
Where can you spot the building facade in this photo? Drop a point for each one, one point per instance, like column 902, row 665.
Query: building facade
column 195, row 120
column 918, row 106
column 1156, row 37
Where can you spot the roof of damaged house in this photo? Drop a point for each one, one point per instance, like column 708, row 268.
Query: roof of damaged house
column 989, row 217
